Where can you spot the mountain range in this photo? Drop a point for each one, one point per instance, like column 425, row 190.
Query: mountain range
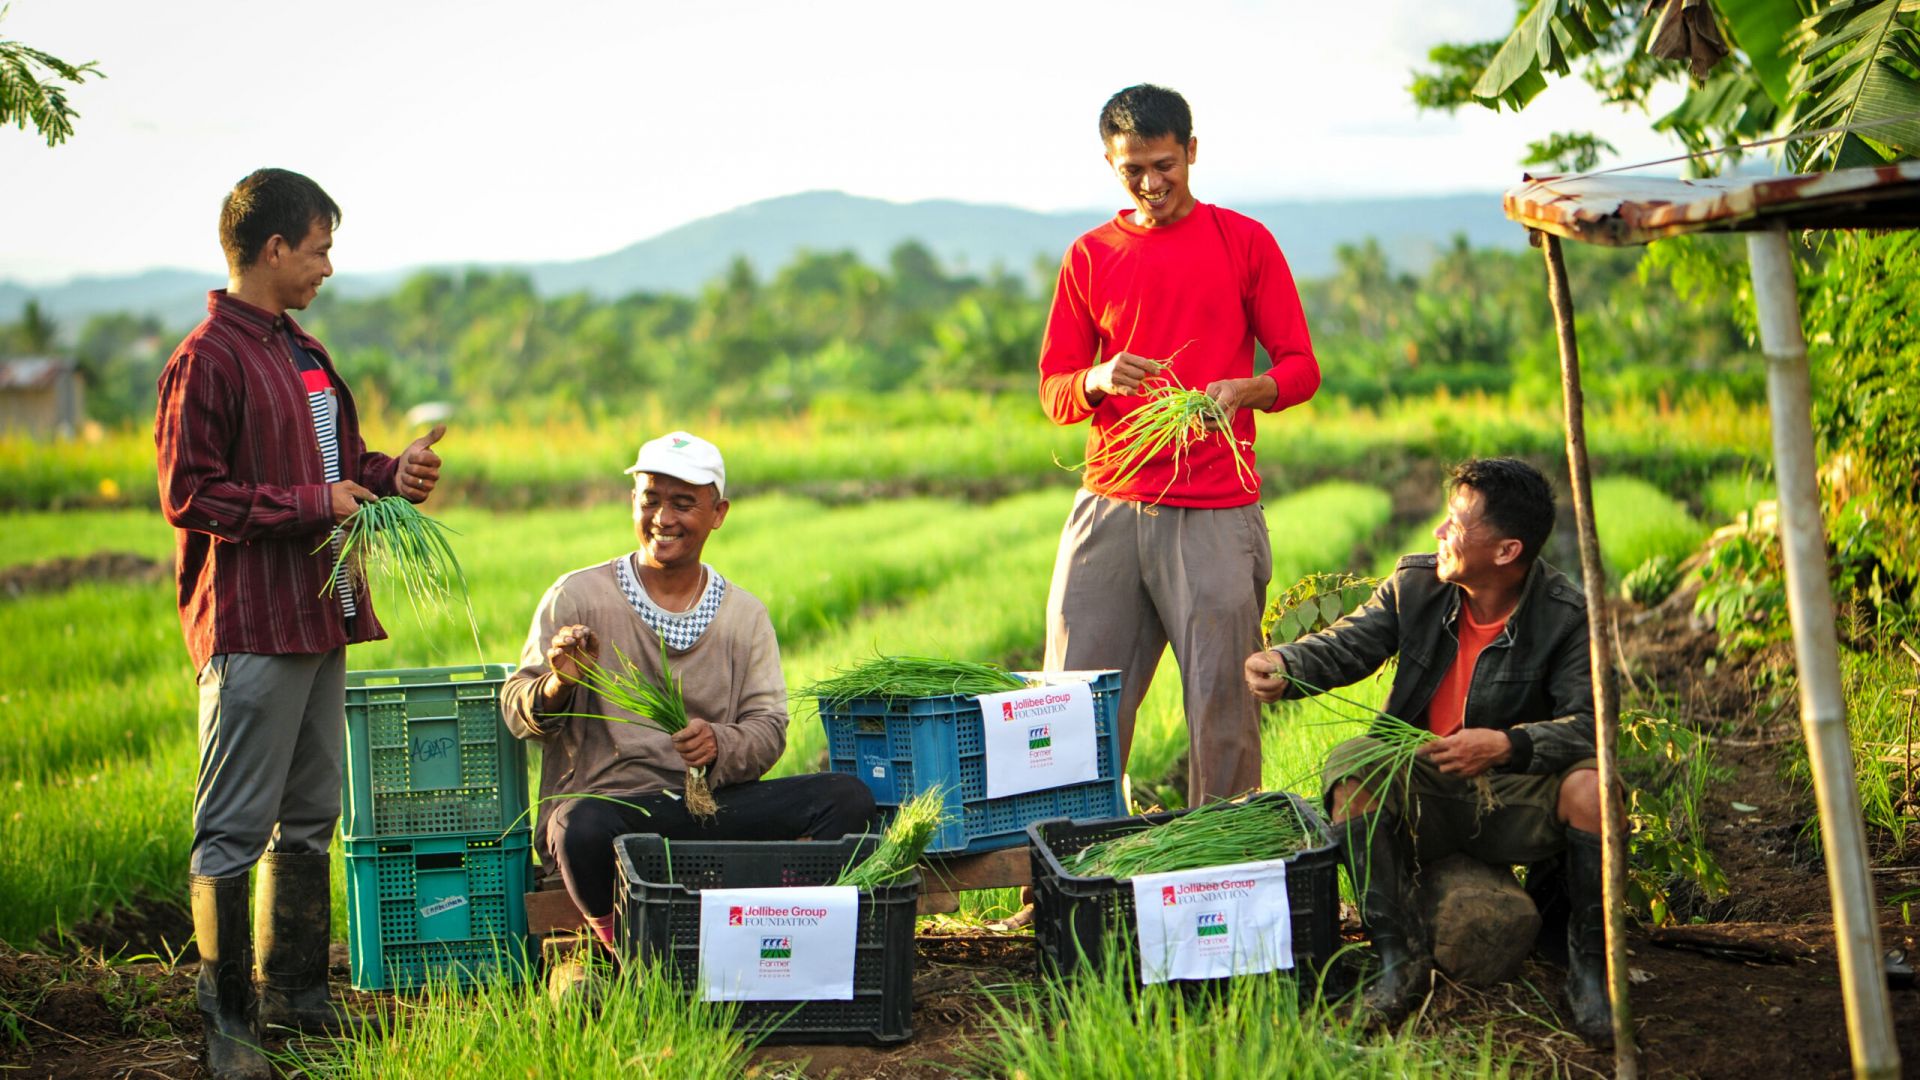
column 964, row 236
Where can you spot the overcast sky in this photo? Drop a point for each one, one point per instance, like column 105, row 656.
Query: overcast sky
column 483, row 130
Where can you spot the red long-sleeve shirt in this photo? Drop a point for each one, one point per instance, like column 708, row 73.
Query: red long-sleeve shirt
column 242, row 480
column 1201, row 291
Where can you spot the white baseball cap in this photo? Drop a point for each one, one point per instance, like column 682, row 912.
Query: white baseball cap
column 685, row 457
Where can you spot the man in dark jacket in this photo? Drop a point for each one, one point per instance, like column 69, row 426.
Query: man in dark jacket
column 1491, row 644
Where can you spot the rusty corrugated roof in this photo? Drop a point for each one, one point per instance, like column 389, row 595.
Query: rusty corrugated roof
column 32, row 372
column 1620, row 210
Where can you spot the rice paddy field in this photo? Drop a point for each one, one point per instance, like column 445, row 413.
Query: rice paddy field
column 869, row 534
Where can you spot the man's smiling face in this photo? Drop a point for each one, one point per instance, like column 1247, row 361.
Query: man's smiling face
column 1154, row 172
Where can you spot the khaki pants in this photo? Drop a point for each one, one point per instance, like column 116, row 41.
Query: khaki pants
column 1519, row 824
column 1131, row 579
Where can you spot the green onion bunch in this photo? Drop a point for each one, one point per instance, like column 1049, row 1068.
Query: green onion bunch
column 913, row 677
column 1174, row 417
column 914, row 824
column 404, row 546
column 1217, row 834
column 1395, row 744
column 660, row 704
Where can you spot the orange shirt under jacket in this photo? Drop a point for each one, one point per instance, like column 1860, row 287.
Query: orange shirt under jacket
column 1447, row 712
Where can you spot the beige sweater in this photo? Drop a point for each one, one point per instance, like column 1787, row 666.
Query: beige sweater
column 731, row 679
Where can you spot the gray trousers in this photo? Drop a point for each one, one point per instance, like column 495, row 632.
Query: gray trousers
column 272, row 732
column 1131, row 579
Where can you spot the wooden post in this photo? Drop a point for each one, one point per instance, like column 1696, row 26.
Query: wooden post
column 1606, row 701
column 1816, row 657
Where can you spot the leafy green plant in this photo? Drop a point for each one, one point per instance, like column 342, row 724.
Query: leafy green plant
column 1312, row 604
column 1743, row 592
column 1652, row 581
column 1668, row 767
column 37, row 98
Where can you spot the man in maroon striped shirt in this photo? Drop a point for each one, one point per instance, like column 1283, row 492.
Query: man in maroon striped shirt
column 260, row 455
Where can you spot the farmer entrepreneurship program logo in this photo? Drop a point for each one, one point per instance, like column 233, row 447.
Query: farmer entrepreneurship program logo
column 1211, row 924
column 776, row 957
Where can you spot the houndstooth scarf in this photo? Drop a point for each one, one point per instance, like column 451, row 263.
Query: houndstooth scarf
column 679, row 629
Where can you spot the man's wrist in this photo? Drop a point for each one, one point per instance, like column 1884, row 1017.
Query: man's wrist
column 1090, row 392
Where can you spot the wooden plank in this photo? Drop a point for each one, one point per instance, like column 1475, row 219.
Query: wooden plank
column 944, row 878
column 552, row 911
column 1003, row 869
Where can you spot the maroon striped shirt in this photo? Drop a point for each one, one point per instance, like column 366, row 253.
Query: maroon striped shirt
column 241, row 479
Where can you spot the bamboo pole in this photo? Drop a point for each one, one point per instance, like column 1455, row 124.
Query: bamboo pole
column 1816, row 656
column 1606, row 702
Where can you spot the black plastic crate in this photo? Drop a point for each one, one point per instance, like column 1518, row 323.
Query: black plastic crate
column 659, row 905
column 1074, row 916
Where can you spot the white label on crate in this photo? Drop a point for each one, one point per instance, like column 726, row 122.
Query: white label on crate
column 778, row 944
column 1040, row 737
column 1214, row 922
column 439, row 906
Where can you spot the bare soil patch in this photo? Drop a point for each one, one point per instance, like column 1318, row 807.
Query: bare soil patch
column 57, row 575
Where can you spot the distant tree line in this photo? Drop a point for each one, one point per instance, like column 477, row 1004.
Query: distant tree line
column 829, row 324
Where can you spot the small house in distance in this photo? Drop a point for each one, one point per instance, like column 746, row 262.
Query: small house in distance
column 42, row 397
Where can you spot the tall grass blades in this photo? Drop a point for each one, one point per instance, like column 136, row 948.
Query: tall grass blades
column 1217, row 834
column 407, row 548
column 1394, row 742
column 914, row 824
column 1104, row 1024
column 644, row 1025
column 913, row 677
column 659, row 704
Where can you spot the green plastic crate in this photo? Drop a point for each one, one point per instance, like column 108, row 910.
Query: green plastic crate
column 445, row 908
column 427, row 754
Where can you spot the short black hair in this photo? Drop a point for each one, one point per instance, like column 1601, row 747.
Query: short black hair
column 1519, row 501
column 269, row 203
column 1146, row 112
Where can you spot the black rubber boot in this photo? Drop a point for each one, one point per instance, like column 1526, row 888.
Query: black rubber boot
column 1378, row 854
column 294, row 923
column 223, row 927
column 1587, row 942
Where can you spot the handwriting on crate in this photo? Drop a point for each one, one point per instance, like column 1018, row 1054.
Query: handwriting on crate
column 432, row 749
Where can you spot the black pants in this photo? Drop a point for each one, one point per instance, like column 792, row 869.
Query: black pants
column 821, row 806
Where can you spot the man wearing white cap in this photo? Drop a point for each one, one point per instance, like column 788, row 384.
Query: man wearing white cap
column 720, row 645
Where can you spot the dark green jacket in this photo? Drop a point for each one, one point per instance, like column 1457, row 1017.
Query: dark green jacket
column 1533, row 681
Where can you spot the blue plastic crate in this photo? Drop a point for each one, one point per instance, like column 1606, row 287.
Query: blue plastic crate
column 446, row 908
column 427, row 754
column 903, row 746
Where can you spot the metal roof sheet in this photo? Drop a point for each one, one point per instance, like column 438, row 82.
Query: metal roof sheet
column 32, row 372
column 1619, row 210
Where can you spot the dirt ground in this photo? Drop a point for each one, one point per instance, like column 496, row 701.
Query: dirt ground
column 1752, row 992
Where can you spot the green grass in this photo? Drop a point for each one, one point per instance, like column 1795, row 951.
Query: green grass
column 1103, row 1024
column 36, row 537
column 953, row 442
column 1729, row 495
column 1637, row 521
column 643, row 1025
column 1885, row 726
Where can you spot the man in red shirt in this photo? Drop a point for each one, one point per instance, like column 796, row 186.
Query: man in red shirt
column 1175, row 552
column 259, row 456
column 1491, row 644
